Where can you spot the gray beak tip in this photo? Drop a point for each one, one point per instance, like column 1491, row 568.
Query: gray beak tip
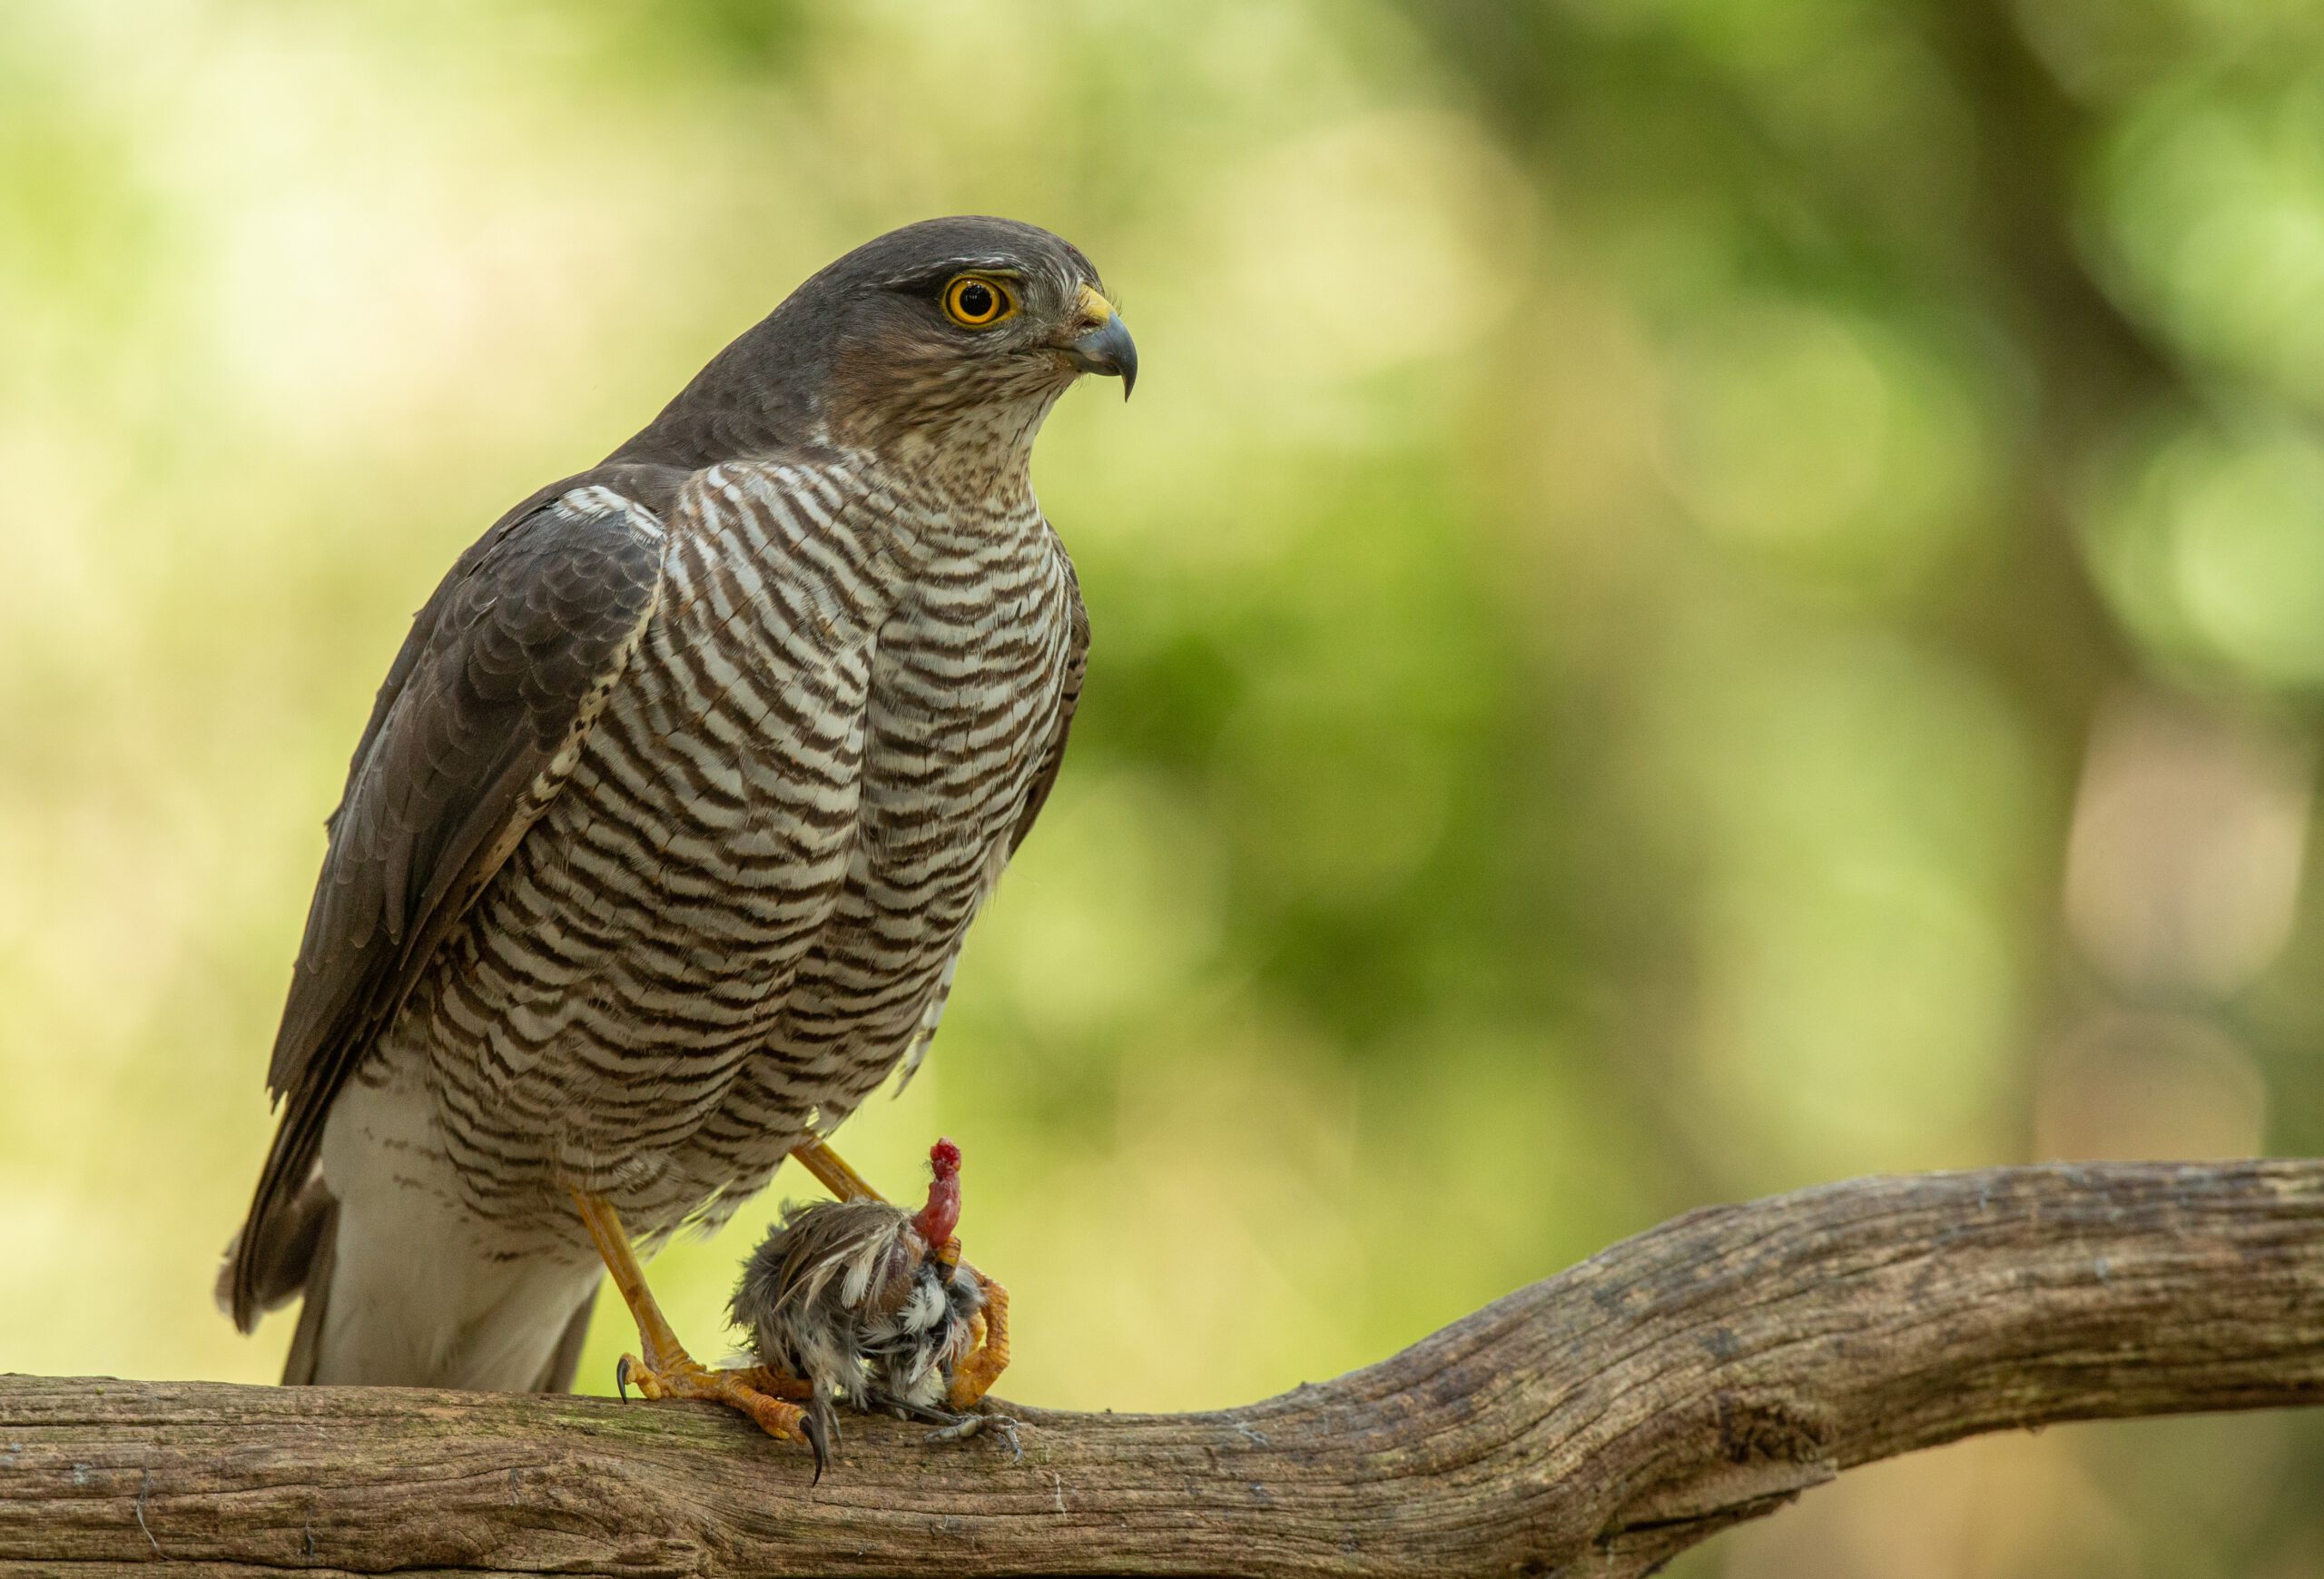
column 1108, row 349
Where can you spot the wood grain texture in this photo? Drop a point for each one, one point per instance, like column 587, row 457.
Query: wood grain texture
column 1698, row 1375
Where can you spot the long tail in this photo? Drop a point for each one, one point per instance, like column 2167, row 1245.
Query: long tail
column 306, row 1342
column 396, row 1297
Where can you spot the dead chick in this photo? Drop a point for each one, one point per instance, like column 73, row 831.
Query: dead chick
column 867, row 1303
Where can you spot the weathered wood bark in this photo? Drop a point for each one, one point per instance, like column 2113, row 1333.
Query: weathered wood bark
column 1596, row 1423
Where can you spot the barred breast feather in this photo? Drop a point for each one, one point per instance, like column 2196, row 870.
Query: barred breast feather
column 720, row 900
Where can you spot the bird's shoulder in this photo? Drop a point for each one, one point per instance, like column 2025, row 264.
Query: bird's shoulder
column 501, row 668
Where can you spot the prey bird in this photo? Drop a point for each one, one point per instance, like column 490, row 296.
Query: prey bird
column 658, row 852
column 858, row 1301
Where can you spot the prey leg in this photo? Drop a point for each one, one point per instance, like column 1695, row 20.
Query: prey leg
column 665, row 1370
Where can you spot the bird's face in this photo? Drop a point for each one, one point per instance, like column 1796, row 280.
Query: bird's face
column 961, row 333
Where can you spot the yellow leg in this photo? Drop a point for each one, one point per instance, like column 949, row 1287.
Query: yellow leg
column 974, row 1376
column 773, row 1383
column 832, row 1173
column 666, row 1370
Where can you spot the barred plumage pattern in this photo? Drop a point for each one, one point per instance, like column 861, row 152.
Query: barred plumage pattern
column 741, row 910
column 661, row 841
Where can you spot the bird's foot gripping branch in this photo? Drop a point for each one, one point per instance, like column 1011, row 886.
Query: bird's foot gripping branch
column 1701, row 1373
column 851, row 1300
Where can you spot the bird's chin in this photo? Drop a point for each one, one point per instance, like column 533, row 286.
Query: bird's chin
column 1059, row 369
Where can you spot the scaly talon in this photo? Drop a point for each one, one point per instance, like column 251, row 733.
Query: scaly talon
column 988, row 1354
column 667, row 1371
column 967, row 1426
column 690, row 1378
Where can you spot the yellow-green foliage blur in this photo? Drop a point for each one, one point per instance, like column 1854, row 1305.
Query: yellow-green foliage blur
column 1698, row 596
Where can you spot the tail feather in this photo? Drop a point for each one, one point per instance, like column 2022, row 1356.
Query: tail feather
column 566, row 1362
column 282, row 1257
column 405, row 1296
column 306, row 1342
column 416, row 1312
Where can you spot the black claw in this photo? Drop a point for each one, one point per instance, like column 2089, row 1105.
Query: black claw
column 820, row 1431
column 818, row 1434
column 621, row 1378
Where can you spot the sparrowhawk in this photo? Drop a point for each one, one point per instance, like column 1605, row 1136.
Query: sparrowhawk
column 658, row 852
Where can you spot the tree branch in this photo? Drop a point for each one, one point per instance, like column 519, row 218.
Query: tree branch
column 1698, row 1375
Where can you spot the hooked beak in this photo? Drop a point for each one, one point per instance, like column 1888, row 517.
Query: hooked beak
column 1105, row 346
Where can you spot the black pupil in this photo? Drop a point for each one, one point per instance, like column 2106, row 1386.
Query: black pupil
column 975, row 301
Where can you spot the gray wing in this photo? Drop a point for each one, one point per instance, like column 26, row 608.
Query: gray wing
column 474, row 732
column 1077, row 663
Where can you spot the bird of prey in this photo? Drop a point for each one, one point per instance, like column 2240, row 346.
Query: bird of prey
column 656, row 853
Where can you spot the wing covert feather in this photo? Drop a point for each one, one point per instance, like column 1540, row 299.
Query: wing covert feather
column 1077, row 662
column 477, row 727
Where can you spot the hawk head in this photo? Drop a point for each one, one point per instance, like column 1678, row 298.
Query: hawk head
column 948, row 338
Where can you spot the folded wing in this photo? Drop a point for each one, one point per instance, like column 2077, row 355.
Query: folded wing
column 479, row 725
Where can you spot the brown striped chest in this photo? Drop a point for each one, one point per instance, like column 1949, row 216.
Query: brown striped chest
column 831, row 728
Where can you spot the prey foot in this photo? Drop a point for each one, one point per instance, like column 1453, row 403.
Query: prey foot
column 961, row 1428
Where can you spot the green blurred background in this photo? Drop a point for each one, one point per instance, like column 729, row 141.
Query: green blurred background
column 1700, row 595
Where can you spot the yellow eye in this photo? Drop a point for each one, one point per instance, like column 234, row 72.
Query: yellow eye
column 978, row 300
